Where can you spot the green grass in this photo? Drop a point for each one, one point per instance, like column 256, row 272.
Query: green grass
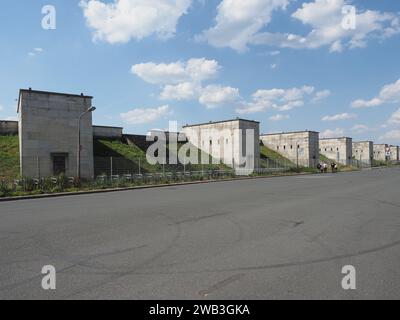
column 9, row 157
column 126, row 159
column 269, row 154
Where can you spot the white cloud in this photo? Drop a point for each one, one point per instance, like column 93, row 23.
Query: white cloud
column 338, row 132
column 181, row 91
column 279, row 99
column 321, row 95
column 119, row 21
column 238, row 21
column 275, row 53
column 360, row 128
column 341, row 116
column 143, row 116
column 375, row 102
column 391, row 135
column 389, row 94
column 395, row 118
column 324, row 18
column 35, row 52
column 194, row 70
column 214, row 96
column 1, row 108
column 279, row 117
column 184, row 81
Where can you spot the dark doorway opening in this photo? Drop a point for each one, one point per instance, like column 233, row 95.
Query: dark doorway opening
column 59, row 163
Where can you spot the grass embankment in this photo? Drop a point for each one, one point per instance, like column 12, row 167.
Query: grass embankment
column 9, row 157
column 128, row 158
column 268, row 155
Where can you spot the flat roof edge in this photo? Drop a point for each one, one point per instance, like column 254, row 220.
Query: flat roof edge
column 291, row 132
column 108, row 127
column 335, row 138
column 216, row 122
column 56, row 93
column 363, row 141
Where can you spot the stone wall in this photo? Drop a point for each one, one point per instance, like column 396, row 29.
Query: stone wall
column 226, row 141
column 48, row 130
column 8, row 127
column 337, row 149
column 394, row 153
column 107, row 132
column 299, row 147
column 380, row 152
column 363, row 151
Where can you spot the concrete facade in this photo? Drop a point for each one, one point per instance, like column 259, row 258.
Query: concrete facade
column 107, row 132
column 338, row 149
column 8, row 127
column 48, row 133
column 299, row 147
column 226, row 141
column 381, row 152
column 363, row 151
column 394, row 153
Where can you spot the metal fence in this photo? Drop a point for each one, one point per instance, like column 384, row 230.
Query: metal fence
column 61, row 184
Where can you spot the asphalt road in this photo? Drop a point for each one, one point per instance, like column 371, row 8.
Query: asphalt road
column 279, row 238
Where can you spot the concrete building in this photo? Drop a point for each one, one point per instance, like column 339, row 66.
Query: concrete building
column 105, row 132
column 338, row 149
column 300, row 147
column 381, row 152
column 8, row 127
column 363, row 151
column 48, row 134
column 394, row 153
column 226, row 141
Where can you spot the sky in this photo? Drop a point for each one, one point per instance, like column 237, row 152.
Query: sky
column 325, row 65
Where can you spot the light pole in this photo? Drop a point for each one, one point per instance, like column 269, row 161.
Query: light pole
column 91, row 109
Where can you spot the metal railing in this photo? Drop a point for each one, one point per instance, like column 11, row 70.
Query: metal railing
column 12, row 187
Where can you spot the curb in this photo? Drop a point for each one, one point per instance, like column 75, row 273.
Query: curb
column 78, row 193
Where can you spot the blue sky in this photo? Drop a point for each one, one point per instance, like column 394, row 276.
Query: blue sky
column 148, row 62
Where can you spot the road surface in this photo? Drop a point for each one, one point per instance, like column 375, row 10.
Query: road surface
column 278, row 238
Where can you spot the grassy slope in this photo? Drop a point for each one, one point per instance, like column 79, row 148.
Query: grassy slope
column 132, row 153
column 267, row 153
column 9, row 157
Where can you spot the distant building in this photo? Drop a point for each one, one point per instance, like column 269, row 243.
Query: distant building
column 299, row 147
column 363, row 151
column 381, row 152
column 394, row 153
column 337, row 149
column 8, row 128
column 48, row 133
column 226, row 141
